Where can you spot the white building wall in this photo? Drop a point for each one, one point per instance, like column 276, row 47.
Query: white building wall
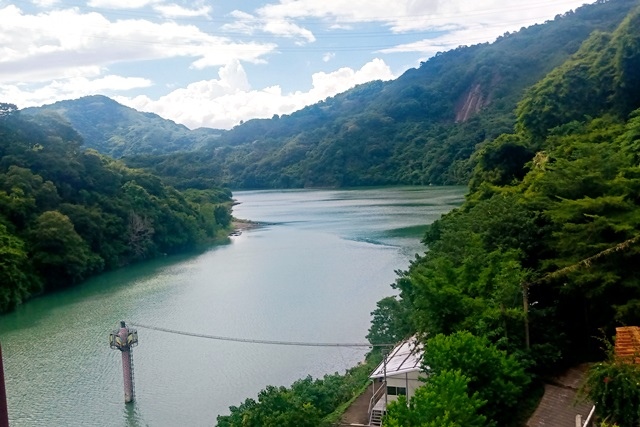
column 409, row 379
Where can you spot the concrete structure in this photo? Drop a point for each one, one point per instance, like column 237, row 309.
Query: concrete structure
column 124, row 339
column 397, row 375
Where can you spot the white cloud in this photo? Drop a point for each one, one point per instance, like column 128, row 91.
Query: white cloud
column 249, row 24
column 177, row 11
column 244, row 23
column 69, row 88
column 45, row 46
column 284, row 28
column 328, row 56
column 464, row 22
column 64, row 52
column 224, row 102
column 329, row 84
column 412, row 15
column 45, row 3
column 121, row 4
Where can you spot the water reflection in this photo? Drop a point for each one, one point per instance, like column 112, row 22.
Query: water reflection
column 133, row 416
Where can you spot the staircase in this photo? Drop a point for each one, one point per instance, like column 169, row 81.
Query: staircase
column 376, row 418
column 376, row 412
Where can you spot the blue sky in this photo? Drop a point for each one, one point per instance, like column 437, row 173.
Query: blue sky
column 215, row 63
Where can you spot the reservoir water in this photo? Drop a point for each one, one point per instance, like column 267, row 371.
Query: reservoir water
column 312, row 272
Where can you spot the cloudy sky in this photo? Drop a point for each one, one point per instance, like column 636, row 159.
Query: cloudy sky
column 215, row 63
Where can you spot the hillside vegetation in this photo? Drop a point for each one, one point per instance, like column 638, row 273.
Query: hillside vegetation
column 421, row 128
column 538, row 265
column 538, row 261
column 118, row 131
column 68, row 213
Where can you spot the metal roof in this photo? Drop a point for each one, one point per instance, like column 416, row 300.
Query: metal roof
column 405, row 357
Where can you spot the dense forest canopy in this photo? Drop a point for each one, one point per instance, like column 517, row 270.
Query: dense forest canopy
column 538, row 265
column 67, row 213
column 537, row 262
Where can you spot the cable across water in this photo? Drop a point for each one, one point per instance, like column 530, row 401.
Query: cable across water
column 258, row 341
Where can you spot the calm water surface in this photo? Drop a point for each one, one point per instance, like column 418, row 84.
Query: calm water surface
column 313, row 273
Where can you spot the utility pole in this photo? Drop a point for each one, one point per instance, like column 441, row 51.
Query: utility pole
column 525, row 306
column 386, row 387
column 124, row 339
column 4, row 413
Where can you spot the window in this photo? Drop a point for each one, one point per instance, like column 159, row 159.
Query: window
column 396, row 391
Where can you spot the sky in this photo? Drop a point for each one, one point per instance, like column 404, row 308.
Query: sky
column 218, row 63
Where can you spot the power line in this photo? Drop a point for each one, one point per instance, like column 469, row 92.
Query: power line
column 149, row 12
column 256, row 341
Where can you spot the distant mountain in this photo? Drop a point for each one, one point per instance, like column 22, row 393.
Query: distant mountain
column 116, row 130
column 422, row 128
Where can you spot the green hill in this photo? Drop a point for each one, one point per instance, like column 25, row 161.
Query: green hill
column 68, row 213
column 118, row 131
column 538, row 262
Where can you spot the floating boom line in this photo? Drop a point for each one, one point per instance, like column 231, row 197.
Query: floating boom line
column 256, row 341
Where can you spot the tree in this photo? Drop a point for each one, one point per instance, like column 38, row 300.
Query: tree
column 59, row 254
column 222, row 215
column 495, row 376
column 480, row 293
column 17, row 282
column 139, row 234
column 444, row 401
column 612, row 385
column 7, row 109
column 389, row 323
column 71, row 210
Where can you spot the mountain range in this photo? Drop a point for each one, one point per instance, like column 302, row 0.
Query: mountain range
column 421, row 128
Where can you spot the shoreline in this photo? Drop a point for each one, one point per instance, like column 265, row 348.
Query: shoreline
column 239, row 225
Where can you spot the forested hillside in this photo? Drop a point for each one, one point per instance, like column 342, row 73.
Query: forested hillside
column 421, row 128
column 537, row 267
column 117, row 131
column 539, row 262
column 67, row 213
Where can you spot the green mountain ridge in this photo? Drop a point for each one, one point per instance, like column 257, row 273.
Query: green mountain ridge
column 117, row 131
column 421, row 128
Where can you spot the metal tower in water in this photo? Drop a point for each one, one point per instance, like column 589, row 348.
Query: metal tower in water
column 124, row 339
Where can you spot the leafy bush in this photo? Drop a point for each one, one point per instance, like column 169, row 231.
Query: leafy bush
column 614, row 387
column 495, row 376
column 444, row 401
column 306, row 403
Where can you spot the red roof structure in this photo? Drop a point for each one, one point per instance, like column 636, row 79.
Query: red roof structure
column 628, row 343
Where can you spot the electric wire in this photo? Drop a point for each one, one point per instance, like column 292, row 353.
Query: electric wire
column 351, row 35
column 148, row 11
column 257, row 341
